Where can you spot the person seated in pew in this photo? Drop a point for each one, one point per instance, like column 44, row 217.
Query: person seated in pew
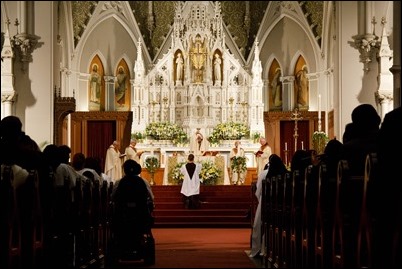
column 274, row 167
column 361, row 137
column 131, row 214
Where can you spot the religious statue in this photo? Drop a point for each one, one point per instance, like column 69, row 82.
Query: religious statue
column 302, row 87
column 217, row 69
column 276, row 85
column 198, row 143
column 198, row 56
column 120, row 90
column 95, row 84
column 179, row 68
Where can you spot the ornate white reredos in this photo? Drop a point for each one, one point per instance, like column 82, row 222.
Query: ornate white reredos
column 207, row 85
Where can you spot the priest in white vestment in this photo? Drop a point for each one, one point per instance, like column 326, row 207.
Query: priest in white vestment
column 132, row 152
column 113, row 163
column 190, row 187
column 262, row 155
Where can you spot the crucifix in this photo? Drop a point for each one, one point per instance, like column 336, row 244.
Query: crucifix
column 296, row 117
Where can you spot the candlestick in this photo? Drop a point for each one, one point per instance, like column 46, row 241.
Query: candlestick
column 302, row 145
column 319, row 107
column 286, row 146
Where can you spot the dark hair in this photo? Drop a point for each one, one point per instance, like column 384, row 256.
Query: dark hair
column 64, row 153
column 78, row 161
column 365, row 117
column 300, row 160
column 276, row 166
column 190, row 157
column 10, row 127
column 131, row 168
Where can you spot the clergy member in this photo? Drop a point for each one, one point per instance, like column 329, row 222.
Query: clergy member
column 132, row 152
column 262, row 155
column 113, row 163
column 190, row 187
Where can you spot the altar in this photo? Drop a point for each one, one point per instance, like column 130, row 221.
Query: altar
column 219, row 160
column 169, row 156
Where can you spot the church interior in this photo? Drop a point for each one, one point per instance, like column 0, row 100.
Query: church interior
column 87, row 73
column 346, row 54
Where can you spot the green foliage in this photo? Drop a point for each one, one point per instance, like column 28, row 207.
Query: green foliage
column 239, row 164
column 255, row 136
column 164, row 131
column 209, row 174
column 175, row 175
column 228, row 131
column 320, row 140
column 151, row 164
column 137, row 135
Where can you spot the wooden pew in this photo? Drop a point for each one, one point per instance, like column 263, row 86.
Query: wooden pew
column 286, row 190
column 295, row 219
column 352, row 233
column 10, row 230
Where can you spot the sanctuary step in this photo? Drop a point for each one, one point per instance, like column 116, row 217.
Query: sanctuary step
column 222, row 206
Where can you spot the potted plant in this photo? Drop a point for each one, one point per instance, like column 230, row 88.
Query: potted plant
column 239, row 164
column 320, row 140
column 152, row 164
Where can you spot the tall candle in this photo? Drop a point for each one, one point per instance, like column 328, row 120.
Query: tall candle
column 319, row 107
column 286, row 146
column 302, row 144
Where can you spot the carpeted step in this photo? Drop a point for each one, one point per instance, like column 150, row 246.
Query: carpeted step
column 204, row 205
column 193, row 224
column 200, row 212
column 221, row 207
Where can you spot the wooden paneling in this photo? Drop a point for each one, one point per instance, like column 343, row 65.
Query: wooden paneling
column 79, row 129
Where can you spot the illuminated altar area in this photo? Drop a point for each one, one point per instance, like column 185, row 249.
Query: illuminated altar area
column 169, row 156
column 197, row 85
column 211, row 86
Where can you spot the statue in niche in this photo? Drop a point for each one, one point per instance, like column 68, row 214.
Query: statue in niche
column 179, row 69
column 120, row 91
column 302, row 87
column 217, row 69
column 198, row 56
column 276, row 85
column 95, row 85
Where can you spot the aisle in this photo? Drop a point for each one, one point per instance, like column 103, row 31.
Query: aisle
column 202, row 248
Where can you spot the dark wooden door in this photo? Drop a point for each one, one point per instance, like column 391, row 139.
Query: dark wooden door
column 287, row 136
column 101, row 135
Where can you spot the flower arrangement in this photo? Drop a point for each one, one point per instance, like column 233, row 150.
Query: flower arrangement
column 238, row 164
column 164, row 131
column 209, row 174
column 175, row 174
column 255, row 136
column 320, row 140
column 151, row 164
column 181, row 137
column 138, row 136
column 228, row 131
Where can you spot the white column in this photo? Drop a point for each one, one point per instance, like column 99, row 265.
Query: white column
column 22, row 12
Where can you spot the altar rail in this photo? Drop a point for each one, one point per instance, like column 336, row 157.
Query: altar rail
column 163, row 152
